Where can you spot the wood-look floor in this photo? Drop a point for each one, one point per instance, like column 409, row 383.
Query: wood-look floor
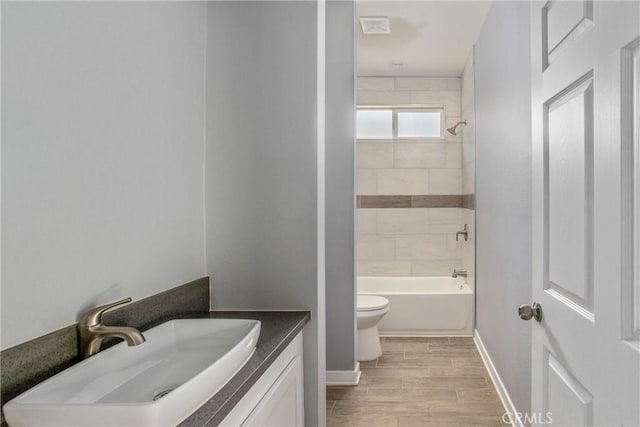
column 419, row 382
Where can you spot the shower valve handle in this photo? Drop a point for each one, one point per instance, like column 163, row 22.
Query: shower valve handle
column 464, row 232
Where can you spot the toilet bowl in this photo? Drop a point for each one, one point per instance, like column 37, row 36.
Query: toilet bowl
column 371, row 309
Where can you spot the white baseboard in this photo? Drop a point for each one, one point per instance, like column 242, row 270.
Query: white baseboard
column 414, row 334
column 497, row 381
column 344, row 377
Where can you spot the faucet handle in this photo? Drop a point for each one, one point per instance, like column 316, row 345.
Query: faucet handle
column 464, row 232
column 94, row 316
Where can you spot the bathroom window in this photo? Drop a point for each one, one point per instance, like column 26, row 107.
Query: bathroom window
column 374, row 124
column 399, row 123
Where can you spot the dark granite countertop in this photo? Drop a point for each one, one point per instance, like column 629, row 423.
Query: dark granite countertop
column 277, row 330
column 27, row 364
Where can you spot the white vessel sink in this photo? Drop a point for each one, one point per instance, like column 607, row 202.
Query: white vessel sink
column 158, row 383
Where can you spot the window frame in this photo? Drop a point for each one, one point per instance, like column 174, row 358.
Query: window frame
column 406, row 109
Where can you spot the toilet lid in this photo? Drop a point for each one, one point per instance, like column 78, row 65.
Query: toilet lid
column 371, row 302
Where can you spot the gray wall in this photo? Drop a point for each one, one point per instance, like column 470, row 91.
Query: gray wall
column 102, row 130
column 503, row 198
column 340, row 201
column 104, row 187
column 261, row 195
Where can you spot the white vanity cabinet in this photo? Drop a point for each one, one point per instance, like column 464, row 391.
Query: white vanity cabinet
column 277, row 398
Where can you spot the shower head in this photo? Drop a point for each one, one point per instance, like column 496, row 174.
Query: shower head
column 452, row 129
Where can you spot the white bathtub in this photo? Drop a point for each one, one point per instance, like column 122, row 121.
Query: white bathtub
column 422, row 306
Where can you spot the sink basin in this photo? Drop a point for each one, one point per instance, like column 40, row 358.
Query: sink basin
column 158, row 383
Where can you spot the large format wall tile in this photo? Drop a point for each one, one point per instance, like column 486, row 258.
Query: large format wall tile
column 421, row 83
column 403, row 181
column 424, row 155
column 366, row 221
column 445, row 181
column 376, row 248
column 449, row 99
column 374, row 155
column 403, row 226
column 409, row 241
column 384, row 268
column 435, row 267
column 375, row 83
column 426, row 247
column 411, row 221
column 454, row 155
column 445, row 216
column 371, row 97
column 366, row 181
column 403, row 221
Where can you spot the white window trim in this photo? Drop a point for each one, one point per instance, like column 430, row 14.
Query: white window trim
column 407, row 108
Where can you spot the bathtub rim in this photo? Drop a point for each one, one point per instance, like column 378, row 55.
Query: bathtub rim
column 467, row 294
column 466, row 290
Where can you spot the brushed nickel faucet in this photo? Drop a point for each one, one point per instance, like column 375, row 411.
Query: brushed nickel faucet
column 459, row 273
column 464, row 233
column 92, row 331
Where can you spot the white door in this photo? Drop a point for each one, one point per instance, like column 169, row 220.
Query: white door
column 585, row 75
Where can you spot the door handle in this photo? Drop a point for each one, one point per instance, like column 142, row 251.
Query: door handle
column 526, row 311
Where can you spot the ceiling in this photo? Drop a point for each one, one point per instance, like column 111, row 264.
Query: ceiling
column 430, row 38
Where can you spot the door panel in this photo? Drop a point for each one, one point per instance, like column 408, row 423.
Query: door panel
column 569, row 402
column 562, row 22
column 631, row 192
column 585, row 352
column 568, row 135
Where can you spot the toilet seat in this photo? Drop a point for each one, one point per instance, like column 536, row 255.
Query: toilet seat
column 371, row 302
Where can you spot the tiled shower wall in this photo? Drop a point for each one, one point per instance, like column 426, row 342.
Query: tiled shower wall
column 410, row 241
column 469, row 166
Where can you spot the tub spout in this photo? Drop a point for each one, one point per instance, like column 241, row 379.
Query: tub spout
column 459, row 273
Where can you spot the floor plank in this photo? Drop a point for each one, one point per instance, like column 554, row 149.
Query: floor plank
column 425, row 381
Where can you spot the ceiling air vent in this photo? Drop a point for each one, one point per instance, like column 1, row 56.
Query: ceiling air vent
column 375, row 24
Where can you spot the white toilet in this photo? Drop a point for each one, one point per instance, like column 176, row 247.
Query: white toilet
column 371, row 309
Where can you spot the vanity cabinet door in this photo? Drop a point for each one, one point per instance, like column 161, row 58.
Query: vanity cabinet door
column 277, row 397
column 284, row 402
